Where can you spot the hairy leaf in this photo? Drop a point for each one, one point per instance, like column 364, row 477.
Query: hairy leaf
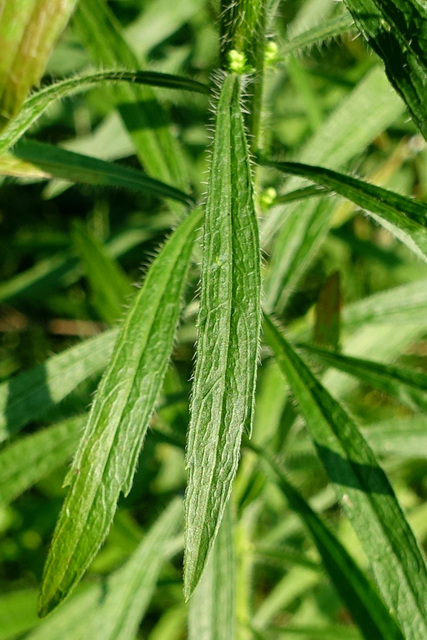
column 108, row 452
column 229, row 321
column 404, row 217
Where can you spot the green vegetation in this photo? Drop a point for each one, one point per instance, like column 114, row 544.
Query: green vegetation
column 235, row 448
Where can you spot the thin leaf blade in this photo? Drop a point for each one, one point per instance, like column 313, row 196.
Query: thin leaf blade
column 404, row 217
column 106, row 458
column 229, row 321
column 364, row 491
column 365, row 606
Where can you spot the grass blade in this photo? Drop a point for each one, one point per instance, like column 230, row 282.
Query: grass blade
column 37, row 104
column 404, row 217
column 29, row 459
column 28, row 31
column 143, row 116
column 409, row 387
column 395, row 29
column 129, row 590
column 76, row 167
column 402, row 437
column 109, row 449
column 30, row 394
column 212, row 613
column 229, row 321
column 364, row 491
column 366, row 608
column 109, row 284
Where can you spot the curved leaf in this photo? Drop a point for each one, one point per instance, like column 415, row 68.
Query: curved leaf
column 76, row 167
column 108, row 452
column 364, row 492
column 404, row 217
column 36, row 104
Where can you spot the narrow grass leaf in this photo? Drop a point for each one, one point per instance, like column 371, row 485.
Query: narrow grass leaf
column 327, row 632
column 347, row 131
column 109, row 284
column 212, row 614
column 398, row 305
column 229, row 323
column 108, row 452
column 404, row 217
column 402, row 437
column 29, row 459
column 409, row 387
column 39, row 101
column 144, row 117
column 327, row 313
column 60, row 163
column 364, row 492
column 28, row 31
column 129, row 590
column 29, row 395
column 396, row 31
column 362, row 601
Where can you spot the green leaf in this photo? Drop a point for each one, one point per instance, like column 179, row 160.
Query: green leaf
column 109, row 284
column 398, row 305
column 396, row 30
column 409, row 387
column 107, row 455
column 327, row 632
column 404, row 217
column 402, row 437
column 129, row 590
column 76, row 167
column 322, row 32
column 18, row 613
column 327, row 318
column 144, row 117
column 333, row 145
column 212, row 614
column 37, row 104
column 31, row 394
column 30, row 459
column 366, row 608
column 28, row 31
column 229, row 323
column 364, row 492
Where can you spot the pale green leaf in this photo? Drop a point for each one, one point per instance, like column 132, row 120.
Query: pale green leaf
column 362, row 601
column 364, row 492
column 18, row 613
column 129, row 590
column 28, row 31
column 107, row 455
column 229, row 321
column 142, row 114
column 402, row 437
column 212, row 614
column 409, row 387
column 347, row 131
column 29, row 459
column 109, row 284
column 29, row 395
